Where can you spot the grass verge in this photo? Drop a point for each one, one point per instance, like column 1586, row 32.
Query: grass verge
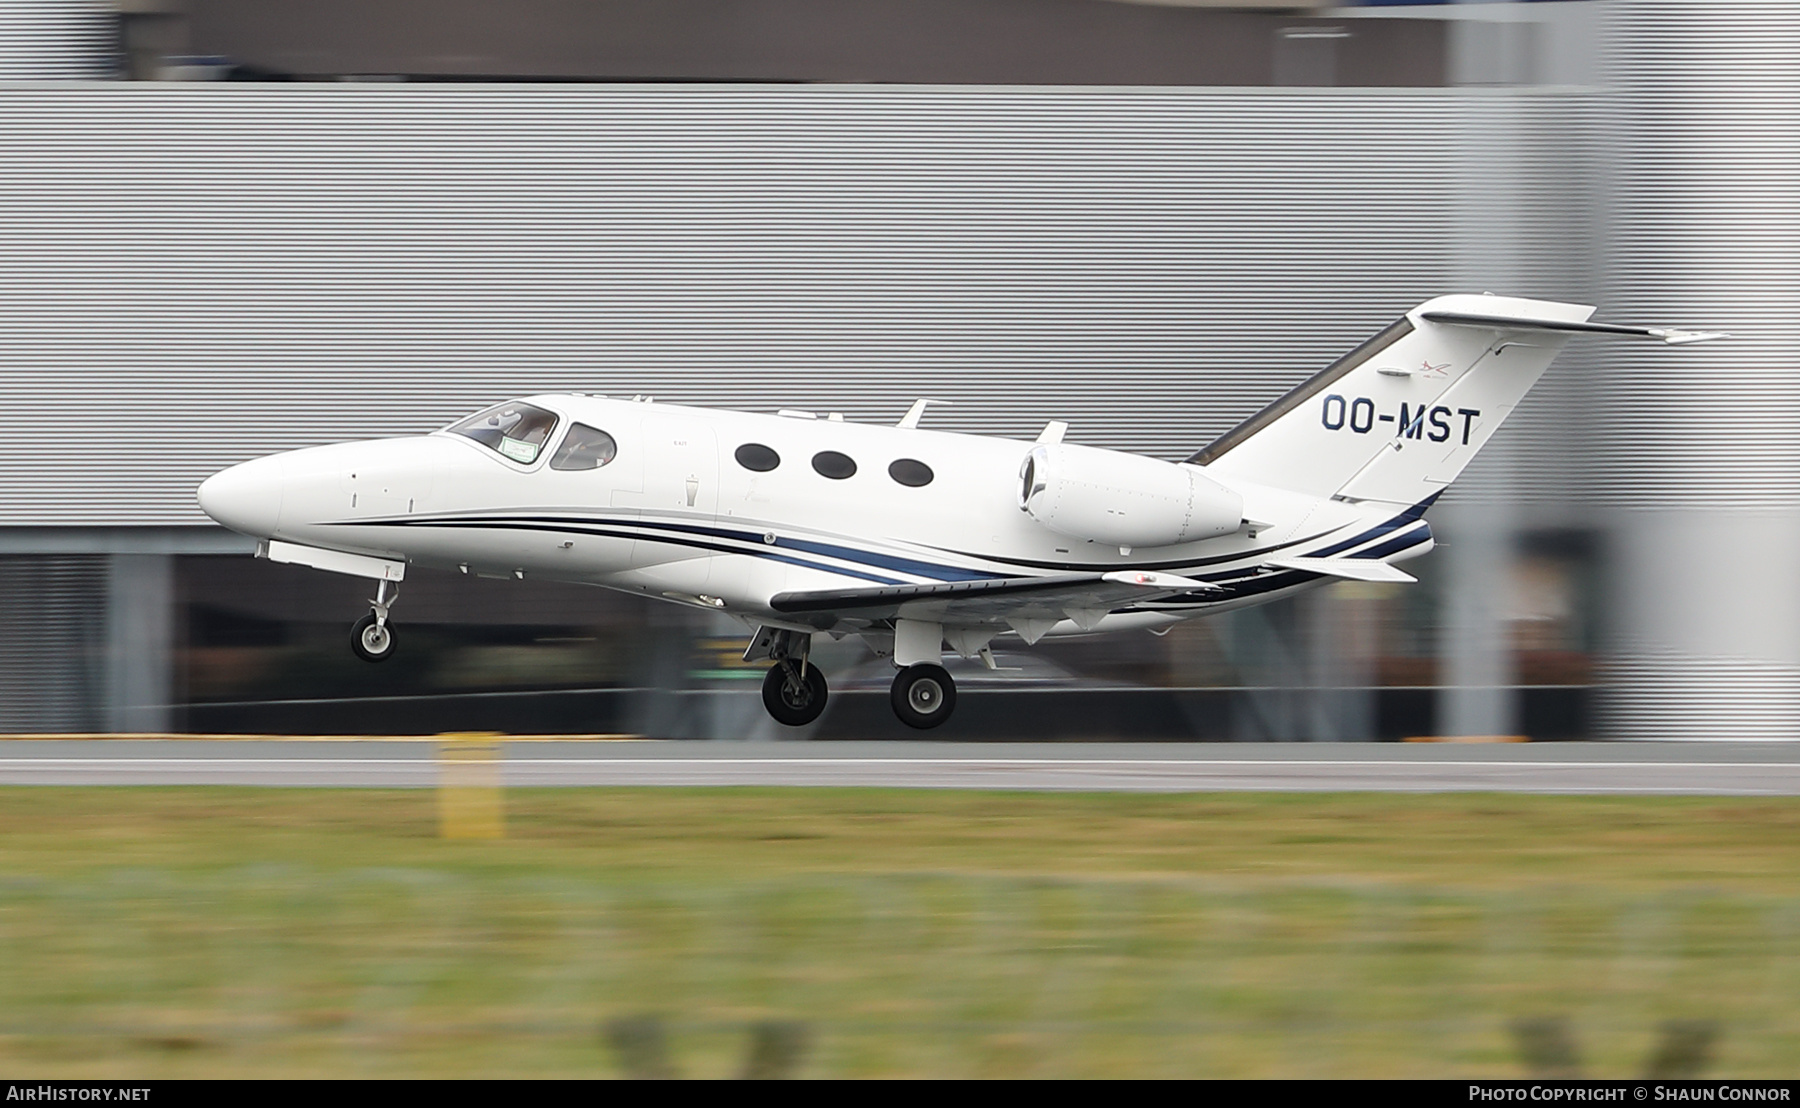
column 250, row 932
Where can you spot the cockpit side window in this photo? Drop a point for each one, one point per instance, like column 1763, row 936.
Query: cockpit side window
column 519, row 431
column 584, row 447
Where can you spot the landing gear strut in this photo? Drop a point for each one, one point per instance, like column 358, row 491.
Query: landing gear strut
column 794, row 690
column 372, row 637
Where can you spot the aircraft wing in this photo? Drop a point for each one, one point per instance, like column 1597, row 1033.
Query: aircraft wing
column 1022, row 602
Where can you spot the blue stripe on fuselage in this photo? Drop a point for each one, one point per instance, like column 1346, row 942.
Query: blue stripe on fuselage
column 581, row 527
column 1420, row 534
column 1410, row 515
column 760, row 547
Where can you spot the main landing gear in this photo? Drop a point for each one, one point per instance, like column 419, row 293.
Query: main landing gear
column 923, row 695
column 794, row 690
column 372, row 636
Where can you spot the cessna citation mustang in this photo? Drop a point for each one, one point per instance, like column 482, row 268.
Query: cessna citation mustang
column 912, row 539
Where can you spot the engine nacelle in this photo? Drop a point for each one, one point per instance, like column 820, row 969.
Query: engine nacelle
column 1123, row 499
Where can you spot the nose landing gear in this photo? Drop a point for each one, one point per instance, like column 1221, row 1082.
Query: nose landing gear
column 372, row 636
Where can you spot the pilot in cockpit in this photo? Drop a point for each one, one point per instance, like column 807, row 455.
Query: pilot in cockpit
column 517, row 431
column 584, row 447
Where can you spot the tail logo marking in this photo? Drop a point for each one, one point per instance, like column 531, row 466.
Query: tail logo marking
column 1360, row 417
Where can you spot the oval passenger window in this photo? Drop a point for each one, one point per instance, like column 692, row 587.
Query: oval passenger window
column 910, row 472
column 756, row 457
column 831, row 464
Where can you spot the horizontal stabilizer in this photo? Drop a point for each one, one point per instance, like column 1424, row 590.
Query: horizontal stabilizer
column 1670, row 335
column 1354, row 569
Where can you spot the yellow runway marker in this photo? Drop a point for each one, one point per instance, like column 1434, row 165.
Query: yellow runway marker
column 470, row 805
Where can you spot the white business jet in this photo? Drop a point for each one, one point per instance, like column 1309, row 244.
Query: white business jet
column 912, row 539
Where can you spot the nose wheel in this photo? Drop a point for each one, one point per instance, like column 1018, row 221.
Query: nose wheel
column 923, row 696
column 794, row 692
column 372, row 636
column 373, row 642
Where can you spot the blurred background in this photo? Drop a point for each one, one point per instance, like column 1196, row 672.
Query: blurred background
column 231, row 227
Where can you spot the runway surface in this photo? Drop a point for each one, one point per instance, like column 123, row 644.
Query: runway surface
column 1720, row 769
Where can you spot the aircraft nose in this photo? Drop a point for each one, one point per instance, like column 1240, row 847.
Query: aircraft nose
column 245, row 498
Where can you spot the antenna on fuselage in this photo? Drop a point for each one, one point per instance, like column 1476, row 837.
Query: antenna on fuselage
column 917, row 411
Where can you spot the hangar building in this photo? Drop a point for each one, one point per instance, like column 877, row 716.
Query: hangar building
column 289, row 231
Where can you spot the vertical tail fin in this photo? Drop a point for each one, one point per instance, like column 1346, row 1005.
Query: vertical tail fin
column 1399, row 417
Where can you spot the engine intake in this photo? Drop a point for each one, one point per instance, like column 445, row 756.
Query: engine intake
column 1121, row 499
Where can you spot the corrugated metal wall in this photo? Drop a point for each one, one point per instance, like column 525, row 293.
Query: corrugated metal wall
column 1703, row 448
column 200, row 273
column 1706, row 226
column 49, row 39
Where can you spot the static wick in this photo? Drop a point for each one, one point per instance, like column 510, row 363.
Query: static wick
column 470, row 805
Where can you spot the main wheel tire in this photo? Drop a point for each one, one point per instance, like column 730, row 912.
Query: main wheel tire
column 794, row 706
column 372, row 643
column 923, row 695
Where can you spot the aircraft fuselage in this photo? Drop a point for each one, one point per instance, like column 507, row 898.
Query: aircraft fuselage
column 676, row 514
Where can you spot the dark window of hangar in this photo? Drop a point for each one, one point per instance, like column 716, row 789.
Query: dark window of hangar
column 756, row 457
column 981, row 42
column 911, row 472
column 829, row 463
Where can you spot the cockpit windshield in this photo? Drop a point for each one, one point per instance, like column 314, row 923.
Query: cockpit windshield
column 516, row 430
